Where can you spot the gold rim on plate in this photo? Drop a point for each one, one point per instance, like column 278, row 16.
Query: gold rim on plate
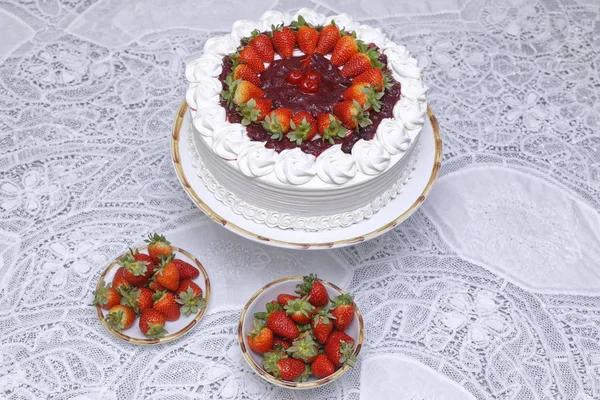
column 346, row 242
column 171, row 336
column 298, row 385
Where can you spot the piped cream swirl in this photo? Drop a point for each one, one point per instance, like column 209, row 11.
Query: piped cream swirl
column 371, row 158
column 229, row 140
column 207, row 65
column 369, row 34
column 205, row 91
column 221, row 46
column 335, row 166
column 310, row 16
column 274, row 18
column 295, row 167
column 243, row 28
column 209, row 118
column 344, row 21
column 256, row 160
column 411, row 111
column 392, row 136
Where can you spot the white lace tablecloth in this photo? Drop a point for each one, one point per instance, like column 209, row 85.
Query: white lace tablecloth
column 490, row 291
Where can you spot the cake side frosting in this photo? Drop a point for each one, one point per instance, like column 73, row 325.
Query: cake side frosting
column 290, row 219
column 332, row 168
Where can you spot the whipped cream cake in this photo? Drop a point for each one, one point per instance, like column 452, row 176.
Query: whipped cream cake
column 305, row 121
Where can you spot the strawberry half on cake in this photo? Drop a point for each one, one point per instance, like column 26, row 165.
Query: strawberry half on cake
column 305, row 122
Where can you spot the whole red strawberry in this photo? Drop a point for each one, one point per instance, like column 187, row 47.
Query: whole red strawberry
column 322, row 325
column 343, row 311
column 144, row 258
column 282, row 367
column 360, row 62
column 283, row 299
column 365, row 95
column 119, row 282
column 278, row 122
column 106, row 297
column 282, row 325
column 263, row 45
column 155, row 286
column 254, row 110
column 244, row 72
column 240, row 91
column 186, row 270
column 352, row 114
column 120, row 317
column 304, row 127
column 139, row 299
column 152, row 323
column 134, row 271
column 330, row 127
column 189, row 296
column 374, row 77
column 284, row 41
column 305, row 349
column 345, row 48
column 261, row 338
column 165, row 303
column 167, row 274
column 248, row 55
column 281, row 342
column 307, row 36
column 187, row 284
column 314, row 289
column 330, row 34
column 300, row 310
column 340, row 349
column 322, row 366
column 157, row 246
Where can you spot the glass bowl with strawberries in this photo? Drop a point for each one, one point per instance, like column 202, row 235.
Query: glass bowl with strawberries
column 300, row 332
column 152, row 294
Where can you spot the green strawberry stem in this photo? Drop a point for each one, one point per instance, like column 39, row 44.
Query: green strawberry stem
column 156, row 330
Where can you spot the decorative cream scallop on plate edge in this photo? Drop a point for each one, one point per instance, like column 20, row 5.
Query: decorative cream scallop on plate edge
column 202, row 280
column 399, row 209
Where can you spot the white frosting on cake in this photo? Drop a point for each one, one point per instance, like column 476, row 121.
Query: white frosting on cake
column 256, row 160
column 274, row 18
column 392, row 136
column 230, row 140
column 293, row 179
column 209, row 118
column 203, row 92
column 371, row 158
column 295, row 167
column 335, row 166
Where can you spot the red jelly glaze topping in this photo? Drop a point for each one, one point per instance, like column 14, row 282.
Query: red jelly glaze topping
column 330, row 91
column 314, row 76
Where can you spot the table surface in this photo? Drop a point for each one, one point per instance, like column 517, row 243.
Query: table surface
column 490, row 291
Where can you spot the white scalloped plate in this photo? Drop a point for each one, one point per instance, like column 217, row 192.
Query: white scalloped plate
column 398, row 210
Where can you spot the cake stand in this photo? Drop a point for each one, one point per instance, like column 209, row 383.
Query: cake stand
column 399, row 209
